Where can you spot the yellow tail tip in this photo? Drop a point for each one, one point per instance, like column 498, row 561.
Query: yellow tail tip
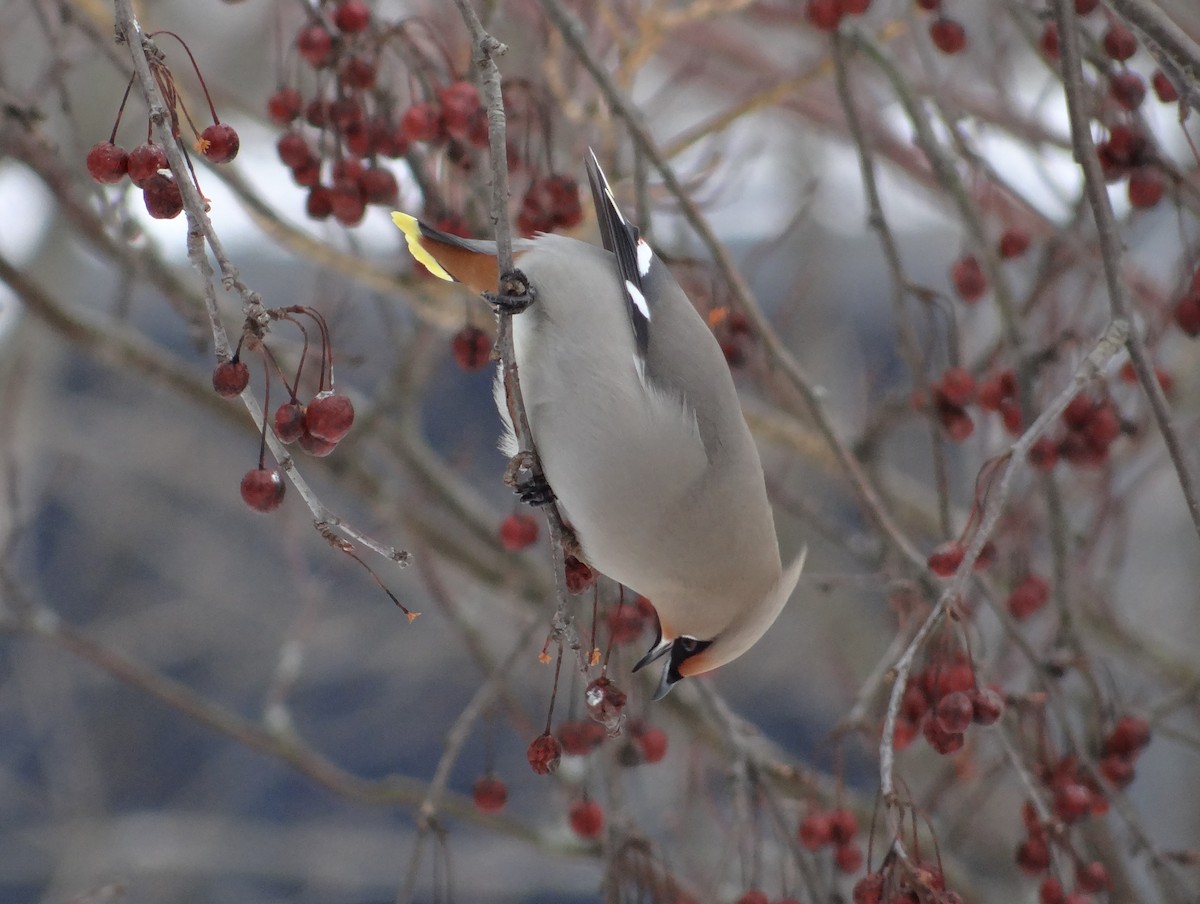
column 412, row 235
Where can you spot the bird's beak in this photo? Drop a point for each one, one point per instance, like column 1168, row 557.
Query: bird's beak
column 660, row 649
column 665, row 683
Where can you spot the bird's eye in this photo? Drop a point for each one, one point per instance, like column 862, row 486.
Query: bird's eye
column 689, row 644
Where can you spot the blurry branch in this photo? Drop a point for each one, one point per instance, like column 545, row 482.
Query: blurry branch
column 1110, row 245
column 568, row 26
column 1014, row 460
column 1171, row 40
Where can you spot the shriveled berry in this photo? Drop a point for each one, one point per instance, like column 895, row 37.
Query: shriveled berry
column 544, row 754
column 284, row 106
column 604, row 700
column 489, row 794
column 948, row 35
column 107, row 163
column 967, row 276
column 1013, row 243
column 219, row 142
column 1119, row 42
column 162, row 197
column 987, row 706
column 815, row 831
column 329, row 416
column 945, row 558
column 263, row 489
column 586, row 818
column 954, row 712
column 518, row 531
column 230, row 378
column 289, row 421
column 315, row 44
column 352, row 16
column 145, row 161
column 577, row 575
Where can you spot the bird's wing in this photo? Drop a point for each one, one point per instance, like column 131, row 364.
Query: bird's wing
column 471, row 262
column 633, row 255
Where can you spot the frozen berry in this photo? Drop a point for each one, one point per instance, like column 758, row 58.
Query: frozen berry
column 107, row 163
column 162, row 196
column 315, row 445
column 544, row 754
column 329, row 416
column 289, row 421
column 489, row 794
column 586, row 818
column 145, row 161
column 219, row 142
column 948, row 35
column 604, row 700
column 230, row 378
column 518, row 531
column 262, row 489
column 954, row 712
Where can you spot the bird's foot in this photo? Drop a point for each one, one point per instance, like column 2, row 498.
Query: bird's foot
column 515, row 295
column 532, row 488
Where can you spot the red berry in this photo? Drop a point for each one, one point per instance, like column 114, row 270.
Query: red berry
column 1146, row 187
column 1033, row 856
column 815, row 831
column 145, row 161
column 471, row 347
column 1119, row 42
column 824, row 14
column 987, row 706
column 423, row 122
column 329, row 416
column 1013, row 243
column 489, row 794
column 1117, row 769
column 1043, row 455
column 107, row 163
column 293, row 150
column 1164, row 88
column 586, row 818
column 289, row 421
column 316, row 113
column 1051, row 891
column 848, row 858
column 869, row 889
column 1128, row 737
column 1091, row 876
column 944, row 742
column 577, row 575
column 843, row 825
column 315, row 44
column 352, row 16
column 346, row 199
column 1083, row 7
column 580, row 737
column 954, row 712
column 969, row 281
column 284, row 106
column 518, row 531
column 544, row 754
column 652, row 742
column 1049, row 40
column 1028, row 596
column 1072, row 802
column 948, row 35
column 262, row 489
column 1079, row 411
column 162, row 196
column 319, row 203
column 230, row 378
column 379, row 186
column 1077, row 898
column 357, row 74
column 219, row 142
column 604, row 700
column 1127, row 89
column 1187, row 313
column 957, row 386
column 315, row 445
column 945, row 559
column 460, row 109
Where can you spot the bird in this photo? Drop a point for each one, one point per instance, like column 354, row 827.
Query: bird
column 639, row 431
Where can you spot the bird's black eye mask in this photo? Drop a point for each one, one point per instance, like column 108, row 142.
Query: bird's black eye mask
column 683, row 649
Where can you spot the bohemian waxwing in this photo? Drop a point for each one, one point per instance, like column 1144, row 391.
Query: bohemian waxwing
column 639, row 430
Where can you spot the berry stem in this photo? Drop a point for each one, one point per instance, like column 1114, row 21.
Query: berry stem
column 262, row 443
column 195, row 68
column 112, row 139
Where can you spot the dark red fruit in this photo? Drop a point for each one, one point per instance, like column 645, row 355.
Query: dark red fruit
column 969, row 281
column 815, row 831
column 358, row 74
column 824, row 14
column 987, row 706
column 423, row 122
column 314, row 445
column 1187, row 313
column 1013, row 243
column 289, row 421
column 1049, row 40
column 1028, row 596
column 753, row 896
column 472, row 348
column 315, row 45
column 284, row 106
column 579, row 737
column 957, row 386
column 518, row 531
column 1033, row 856
column 1072, row 802
column 1083, row 7
column 379, row 186
column 869, row 889
column 1051, row 891
column 586, row 818
column 346, row 199
column 1091, row 877
column 1164, row 88
column 329, row 416
column 162, row 196
column 945, row 558
column 263, row 489
column 230, row 378
column 843, row 825
column 954, row 712
column 1043, row 454
column 1119, row 42
column 604, row 700
column 1127, row 89
column 460, row 109
column 219, row 142
column 942, row 741
column 848, row 858
column 948, row 35
column 577, row 575
column 145, row 161
column 107, row 163
column 489, row 794
column 1117, row 769
column 352, row 16
column 1129, row 735
column 293, row 150
column 1146, row 187
column 652, row 742
column 319, row 203
column 544, row 754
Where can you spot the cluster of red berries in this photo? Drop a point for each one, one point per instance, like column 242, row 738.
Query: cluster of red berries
column 1187, row 309
column 951, row 394
column 837, row 829
column 318, row 426
column 1091, row 425
column 942, row 700
column 998, row 393
column 146, row 165
column 605, row 703
column 916, row 882
column 550, row 203
column 828, row 14
column 966, row 274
